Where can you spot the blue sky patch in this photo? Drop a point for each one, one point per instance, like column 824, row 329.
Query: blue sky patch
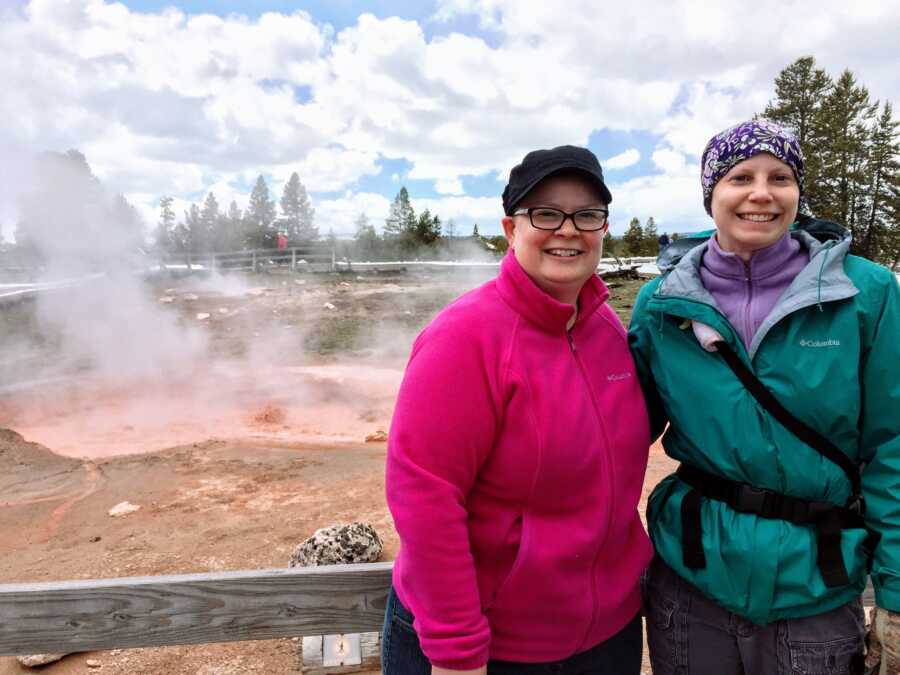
column 339, row 14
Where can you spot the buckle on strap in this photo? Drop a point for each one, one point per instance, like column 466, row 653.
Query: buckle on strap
column 856, row 504
column 751, row 499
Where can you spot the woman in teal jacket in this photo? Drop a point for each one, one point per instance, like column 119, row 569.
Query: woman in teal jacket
column 764, row 541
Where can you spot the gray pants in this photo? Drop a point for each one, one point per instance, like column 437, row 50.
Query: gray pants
column 688, row 634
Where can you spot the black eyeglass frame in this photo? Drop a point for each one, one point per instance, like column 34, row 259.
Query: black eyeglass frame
column 565, row 216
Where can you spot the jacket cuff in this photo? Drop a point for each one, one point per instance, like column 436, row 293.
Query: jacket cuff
column 463, row 664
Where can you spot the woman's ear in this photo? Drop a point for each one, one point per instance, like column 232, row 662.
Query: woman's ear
column 509, row 228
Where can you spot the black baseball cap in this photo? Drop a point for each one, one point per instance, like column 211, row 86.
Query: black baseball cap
column 539, row 164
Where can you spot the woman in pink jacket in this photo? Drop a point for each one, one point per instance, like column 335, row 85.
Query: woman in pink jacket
column 516, row 456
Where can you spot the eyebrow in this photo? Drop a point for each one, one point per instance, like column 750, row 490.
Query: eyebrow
column 554, row 205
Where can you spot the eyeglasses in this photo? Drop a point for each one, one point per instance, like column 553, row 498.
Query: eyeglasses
column 547, row 218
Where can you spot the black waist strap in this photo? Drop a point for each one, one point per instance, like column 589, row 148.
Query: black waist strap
column 829, row 519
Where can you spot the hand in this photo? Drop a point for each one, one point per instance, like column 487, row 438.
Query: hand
column 446, row 671
column 883, row 642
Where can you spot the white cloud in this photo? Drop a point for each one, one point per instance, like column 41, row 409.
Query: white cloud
column 340, row 215
column 669, row 161
column 486, row 211
column 449, row 186
column 673, row 199
column 623, row 159
column 171, row 103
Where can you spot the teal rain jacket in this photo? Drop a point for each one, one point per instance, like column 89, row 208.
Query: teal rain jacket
column 830, row 353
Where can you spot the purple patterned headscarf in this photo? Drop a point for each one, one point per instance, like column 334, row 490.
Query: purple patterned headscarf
column 741, row 142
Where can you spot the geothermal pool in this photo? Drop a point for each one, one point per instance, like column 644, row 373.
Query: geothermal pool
column 93, row 417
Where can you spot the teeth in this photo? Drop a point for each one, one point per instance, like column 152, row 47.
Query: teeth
column 758, row 217
column 563, row 252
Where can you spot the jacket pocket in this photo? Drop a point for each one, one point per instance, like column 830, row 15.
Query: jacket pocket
column 514, row 540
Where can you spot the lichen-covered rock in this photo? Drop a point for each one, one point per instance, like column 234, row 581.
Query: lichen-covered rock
column 35, row 660
column 339, row 544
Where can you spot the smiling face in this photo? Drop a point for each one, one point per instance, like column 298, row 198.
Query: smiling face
column 754, row 204
column 561, row 261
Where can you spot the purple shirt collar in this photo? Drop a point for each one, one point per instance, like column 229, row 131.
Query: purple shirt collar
column 763, row 263
column 746, row 293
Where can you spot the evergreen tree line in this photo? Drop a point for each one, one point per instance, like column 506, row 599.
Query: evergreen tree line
column 637, row 241
column 852, row 153
column 851, row 144
column 406, row 236
column 209, row 228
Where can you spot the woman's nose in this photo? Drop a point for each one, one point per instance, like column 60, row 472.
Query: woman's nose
column 761, row 192
column 567, row 229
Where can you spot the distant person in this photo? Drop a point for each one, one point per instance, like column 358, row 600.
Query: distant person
column 516, row 455
column 663, row 241
column 282, row 241
column 774, row 356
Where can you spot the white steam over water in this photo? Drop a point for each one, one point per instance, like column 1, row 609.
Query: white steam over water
column 79, row 230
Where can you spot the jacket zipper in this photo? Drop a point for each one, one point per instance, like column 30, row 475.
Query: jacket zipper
column 607, row 469
column 748, row 309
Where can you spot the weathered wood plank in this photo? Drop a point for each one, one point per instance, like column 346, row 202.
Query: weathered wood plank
column 76, row 616
column 72, row 616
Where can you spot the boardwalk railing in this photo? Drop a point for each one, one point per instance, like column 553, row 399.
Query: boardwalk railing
column 78, row 616
column 321, row 255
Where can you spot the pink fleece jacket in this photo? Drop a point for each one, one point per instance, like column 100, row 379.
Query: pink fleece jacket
column 515, row 462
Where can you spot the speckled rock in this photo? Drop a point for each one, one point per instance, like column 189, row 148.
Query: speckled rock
column 339, row 544
column 36, row 660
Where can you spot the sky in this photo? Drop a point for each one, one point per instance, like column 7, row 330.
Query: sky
column 188, row 97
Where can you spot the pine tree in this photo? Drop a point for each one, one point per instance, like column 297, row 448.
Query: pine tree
column 260, row 217
column 633, row 238
column 427, row 229
column 209, row 223
column 651, row 238
column 851, row 153
column 125, row 218
column 193, row 225
column 228, row 234
column 366, row 238
column 450, row 229
column 401, row 219
column 297, row 213
column 875, row 231
column 800, row 92
column 163, row 242
column 844, row 118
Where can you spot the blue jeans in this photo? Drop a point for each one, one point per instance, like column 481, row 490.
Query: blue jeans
column 402, row 655
column 689, row 634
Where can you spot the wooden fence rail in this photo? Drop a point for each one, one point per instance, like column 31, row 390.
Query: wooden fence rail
column 77, row 616
column 323, row 254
